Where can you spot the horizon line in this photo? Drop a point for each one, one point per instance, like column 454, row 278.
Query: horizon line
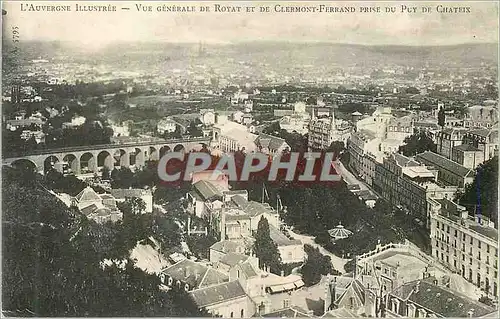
column 240, row 42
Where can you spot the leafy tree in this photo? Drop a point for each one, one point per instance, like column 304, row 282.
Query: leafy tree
column 105, row 173
column 51, row 260
column 315, row 266
column 132, row 206
column 194, row 130
column 417, row 143
column 122, row 178
column 265, row 249
column 337, row 147
column 200, row 245
column 481, row 197
column 166, row 231
column 441, row 117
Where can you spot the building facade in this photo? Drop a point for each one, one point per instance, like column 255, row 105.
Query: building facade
column 467, row 245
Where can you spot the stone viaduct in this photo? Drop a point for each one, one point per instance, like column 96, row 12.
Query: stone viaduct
column 91, row 159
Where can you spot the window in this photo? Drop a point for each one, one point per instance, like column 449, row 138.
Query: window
column 456, row 233
column 232, row 314
column 478, row 244
column 351, row 302
column 470, row 261
column 463, row 237
column 472, row 241
column 488, row 249
column 286, row 303
column 448, row 229
column 242, row 313
column 479, row 255
column 455, row 263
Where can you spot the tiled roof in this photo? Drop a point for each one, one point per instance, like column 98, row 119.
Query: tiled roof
column 232, row 259
column 269, row 141
column 193, row 273
column 466, row 148
column 88, row 195
column 481, row 132
column 212, row 277
column 341, row 313
column 207, row 190
column 217, row 294
column 404, row 161
column 292, row 312
column 280, row 239
column 250, row 207
column 248, row 270
column 233, row 245
column 441, row 300
column 439, row 161
column 123, row 193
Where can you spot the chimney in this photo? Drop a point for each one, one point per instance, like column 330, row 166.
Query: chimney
column 417, row 287
column 470, row 314
column 282, row 273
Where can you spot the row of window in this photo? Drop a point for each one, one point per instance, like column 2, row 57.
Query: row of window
column 464, row 237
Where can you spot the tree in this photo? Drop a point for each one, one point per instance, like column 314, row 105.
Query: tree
column 417, row 143
column 315, row 266
column 481, row 197
column 66, row 251
column 106, row 173
column 337, row 147
column 441, row 117
column 265, row 249
column 193, row 129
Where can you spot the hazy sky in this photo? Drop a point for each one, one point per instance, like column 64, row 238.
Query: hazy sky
column 95, row 29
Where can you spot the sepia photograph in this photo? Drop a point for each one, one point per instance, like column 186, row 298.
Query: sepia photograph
column 241, row 159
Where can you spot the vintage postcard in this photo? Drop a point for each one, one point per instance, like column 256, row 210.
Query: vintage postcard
column 243, row 159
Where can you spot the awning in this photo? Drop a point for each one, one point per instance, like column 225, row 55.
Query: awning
column 299, row 283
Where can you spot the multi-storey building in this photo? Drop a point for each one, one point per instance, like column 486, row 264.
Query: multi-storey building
column 399, row 128
column 408, row 185
column 425, row 298
column 467, row 155
column 324, row 131
column 485, row 140
column 450, row 172
column 481, row 116
column 361, row 143
column 468, row 245
column 448, row 138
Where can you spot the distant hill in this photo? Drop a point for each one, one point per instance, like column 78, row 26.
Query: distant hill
column 284, row 54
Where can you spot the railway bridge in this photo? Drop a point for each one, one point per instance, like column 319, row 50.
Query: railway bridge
column 91, row 159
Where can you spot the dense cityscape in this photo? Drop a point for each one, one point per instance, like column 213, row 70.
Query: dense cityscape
column 89, row 229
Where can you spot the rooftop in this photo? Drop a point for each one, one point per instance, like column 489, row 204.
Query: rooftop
column 466, row 148
column 269, row 141
column 232, row 259
column 88, row 195
column 442, row 162
column 195, row 274
column 123, row 193
column 217, row 294
column 280, row 239
column 207, row 190
column 440, row 300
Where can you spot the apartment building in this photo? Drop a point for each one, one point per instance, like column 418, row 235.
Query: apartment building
column 467, row 155
column 324, row 131
column 466, row 244
column 449, row 172
column 447, row 139
column 408, row 185
column 485, row 140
